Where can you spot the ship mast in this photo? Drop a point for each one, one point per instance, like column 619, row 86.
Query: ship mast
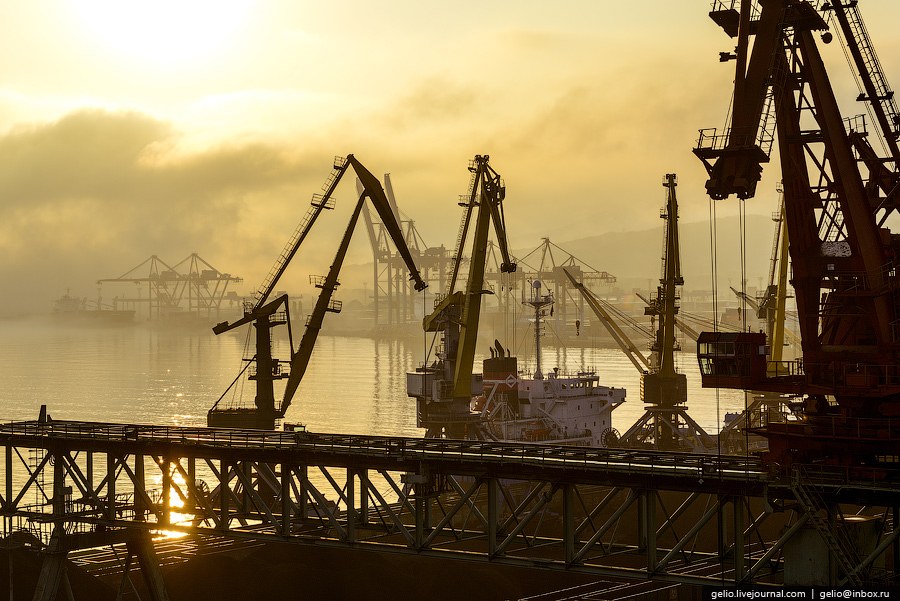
column 538, row 301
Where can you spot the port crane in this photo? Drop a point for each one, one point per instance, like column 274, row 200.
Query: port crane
column 665, row 424
column 443, row 390
column 265, row 314
column 838, row 194
column 393, row 299
column 771, row 306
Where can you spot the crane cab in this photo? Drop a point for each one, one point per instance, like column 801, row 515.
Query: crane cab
column 732, row 359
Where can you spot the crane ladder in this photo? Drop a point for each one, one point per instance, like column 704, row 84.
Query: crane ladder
column 835, row 538
column 319, row 203
column 464, row 202
column 883, row 93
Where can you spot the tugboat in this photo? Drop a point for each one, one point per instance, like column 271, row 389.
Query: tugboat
column 552, row 408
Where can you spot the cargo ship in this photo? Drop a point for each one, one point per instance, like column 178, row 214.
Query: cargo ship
column 558, row 408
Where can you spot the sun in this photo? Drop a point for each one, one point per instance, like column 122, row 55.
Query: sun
column 163, row 32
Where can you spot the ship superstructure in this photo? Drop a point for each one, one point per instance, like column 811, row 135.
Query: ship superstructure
column 555, row 407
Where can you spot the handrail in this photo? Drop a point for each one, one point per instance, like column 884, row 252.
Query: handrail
column 726, row 467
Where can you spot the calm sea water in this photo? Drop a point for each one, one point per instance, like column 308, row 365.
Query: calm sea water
column 149, row 375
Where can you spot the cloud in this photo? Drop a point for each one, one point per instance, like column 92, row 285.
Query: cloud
column 535, row 40
column 96, row 192
column 435, row 100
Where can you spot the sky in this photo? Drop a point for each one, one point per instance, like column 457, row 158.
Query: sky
column 129, row 129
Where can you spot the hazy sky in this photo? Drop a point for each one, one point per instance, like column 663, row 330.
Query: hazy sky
column 167, row 127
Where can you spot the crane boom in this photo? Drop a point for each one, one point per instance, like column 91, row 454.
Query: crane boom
column 265, row 315
column 631, row 351
column 875, row 88
column 319, row 203
column 324, row 304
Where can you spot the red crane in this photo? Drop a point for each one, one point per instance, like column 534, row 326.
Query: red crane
column 838, row 194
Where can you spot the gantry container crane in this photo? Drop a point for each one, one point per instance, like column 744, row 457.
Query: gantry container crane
column 444, row 389
column 266, row 315
column 838, row 194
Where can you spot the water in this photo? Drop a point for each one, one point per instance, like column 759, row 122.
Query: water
column 147, row 375
column 142, row 374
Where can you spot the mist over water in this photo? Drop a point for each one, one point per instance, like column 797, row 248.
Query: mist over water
column 149, row 375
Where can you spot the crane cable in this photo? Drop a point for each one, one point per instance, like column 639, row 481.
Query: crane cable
column 713, row 243
column 742, row 212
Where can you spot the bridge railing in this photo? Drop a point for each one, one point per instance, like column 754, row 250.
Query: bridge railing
column 545, row 455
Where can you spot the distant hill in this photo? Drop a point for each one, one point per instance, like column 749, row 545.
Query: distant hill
column 635, row 257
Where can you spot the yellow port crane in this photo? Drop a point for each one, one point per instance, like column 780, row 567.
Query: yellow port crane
column 665, row 424
column 443, row 390
column 266, row 315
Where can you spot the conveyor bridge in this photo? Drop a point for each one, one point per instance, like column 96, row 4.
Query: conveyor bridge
column 677, row 517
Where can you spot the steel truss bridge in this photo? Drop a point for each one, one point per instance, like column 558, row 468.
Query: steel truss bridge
column 682, row 518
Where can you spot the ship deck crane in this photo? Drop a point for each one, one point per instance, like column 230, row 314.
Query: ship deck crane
column 444, row 389
column 846, row 285
column 266, row 315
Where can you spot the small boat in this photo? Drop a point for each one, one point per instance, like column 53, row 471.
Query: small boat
column 78, row 310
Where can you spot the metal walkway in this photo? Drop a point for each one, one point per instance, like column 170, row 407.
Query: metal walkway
column 674, row 517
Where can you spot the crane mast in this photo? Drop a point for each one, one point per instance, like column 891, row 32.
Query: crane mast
column 444, row 389
column 266, row 315
column 843, row 259
column 665, row 424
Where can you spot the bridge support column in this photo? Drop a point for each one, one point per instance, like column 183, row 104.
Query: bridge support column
column 303, row 492
column 246, row 468
column 140, row 486
column 647, row 527
column 53, row 567
column 192, row 500
column 363, row 496
column 8, row 498
column 89, row 471
column 141, row 546
column 286, row 501
column 53, row 570
column 739, row 559
column 493, row 518
column 351, row 505
column 224, row 494
column 166, row 468
column 568, row 497
column 423, row 512
column 110, row 486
